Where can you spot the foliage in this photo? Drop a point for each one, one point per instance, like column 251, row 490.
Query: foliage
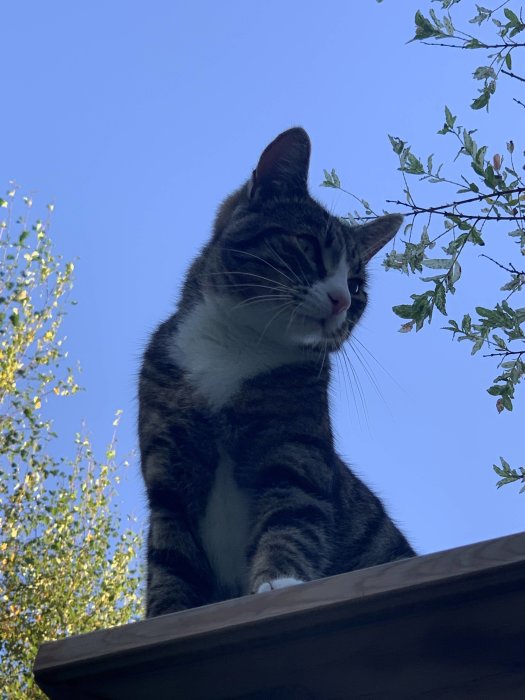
column 65, row 566
column 481, row 200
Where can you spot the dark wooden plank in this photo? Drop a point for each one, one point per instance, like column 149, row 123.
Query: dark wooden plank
column 439, row 623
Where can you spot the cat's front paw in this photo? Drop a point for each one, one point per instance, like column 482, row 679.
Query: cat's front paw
column 278, row 583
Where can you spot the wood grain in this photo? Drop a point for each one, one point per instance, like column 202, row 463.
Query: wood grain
column 447, row 623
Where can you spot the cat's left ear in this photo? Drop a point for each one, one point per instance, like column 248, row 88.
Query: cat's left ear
column 375, row 234
column 283, row 165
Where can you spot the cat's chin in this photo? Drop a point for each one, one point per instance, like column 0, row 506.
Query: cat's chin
column 322, row 334
column 321, row 340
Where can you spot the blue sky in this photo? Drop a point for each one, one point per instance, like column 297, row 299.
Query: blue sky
column 136, row 120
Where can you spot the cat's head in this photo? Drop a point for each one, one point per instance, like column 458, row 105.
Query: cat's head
column 281, row 264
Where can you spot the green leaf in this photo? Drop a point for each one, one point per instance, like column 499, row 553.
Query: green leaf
column 397, row 144
column 511, row 16
column 508, row 61
column 404, row 311
column 450, row 120
column 331, row 179
column 475, row 237
column 424, row 27
column 478, row 344
column 507, row 402
column 437, row 263
column 469, row 143
column 473, row 44
column 454, row 273
column 482, row 100
column 414, row 166
column 440, row 299
column 484, row 72
column 448, row 25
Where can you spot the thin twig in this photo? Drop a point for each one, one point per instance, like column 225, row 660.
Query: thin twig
column 506, row 353
column 437, row 210
column 510, row 268
column 468, row 200
column 481, row 46
column 513, row 75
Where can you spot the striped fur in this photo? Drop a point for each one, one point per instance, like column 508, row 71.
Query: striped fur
column 245, row 489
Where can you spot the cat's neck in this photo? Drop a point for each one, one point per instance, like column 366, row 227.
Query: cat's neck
column 218, row 350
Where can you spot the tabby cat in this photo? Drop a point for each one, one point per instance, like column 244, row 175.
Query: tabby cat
column 246, row 492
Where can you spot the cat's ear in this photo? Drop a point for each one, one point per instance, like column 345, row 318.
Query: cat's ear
column 375, row 234
column 283, row 164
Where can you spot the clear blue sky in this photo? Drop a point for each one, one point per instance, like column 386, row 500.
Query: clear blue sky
column 136, row 119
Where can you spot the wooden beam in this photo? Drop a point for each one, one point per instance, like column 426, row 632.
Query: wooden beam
column 446, row 625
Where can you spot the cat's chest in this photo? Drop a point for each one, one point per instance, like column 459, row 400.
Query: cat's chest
column 217, row 355
column 224, row 527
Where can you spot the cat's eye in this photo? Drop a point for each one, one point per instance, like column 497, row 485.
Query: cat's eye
column 353, row 285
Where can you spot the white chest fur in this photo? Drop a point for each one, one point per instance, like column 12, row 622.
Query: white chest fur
column 219, row 349
column 224, row 528
column 218, row 354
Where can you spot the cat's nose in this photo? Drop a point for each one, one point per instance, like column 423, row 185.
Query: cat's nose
column 340, row 302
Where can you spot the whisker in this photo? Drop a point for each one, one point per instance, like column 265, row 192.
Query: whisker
column 359, row 388
column 251, row 285
column 374, row 358
column 290, row 320
column 273, row 318
column 324, row 357
column 368, row 373
column 250, row 274
column 343, row 375
column 347, row 380
column 264, row 297
column 258, row 257
column 270, row 246
column 358, row 381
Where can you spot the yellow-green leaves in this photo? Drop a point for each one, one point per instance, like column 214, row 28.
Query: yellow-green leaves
column 67, row 564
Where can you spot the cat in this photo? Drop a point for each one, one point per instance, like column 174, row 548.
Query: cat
column 246, row 492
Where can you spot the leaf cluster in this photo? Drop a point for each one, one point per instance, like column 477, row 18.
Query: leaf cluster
column 507, row 25
column 66, row 564
column 482, row 195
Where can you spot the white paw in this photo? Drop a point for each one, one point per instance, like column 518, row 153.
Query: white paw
column 278, row 583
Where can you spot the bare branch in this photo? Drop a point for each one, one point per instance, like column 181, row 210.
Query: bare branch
column 505, row 45
column 460, row 202
column 506, row 353
column 513, row 75
column 467, row 217
column 445, row 209
column 510, row 267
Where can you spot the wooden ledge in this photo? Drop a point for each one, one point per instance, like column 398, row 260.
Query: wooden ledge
column 448, row 625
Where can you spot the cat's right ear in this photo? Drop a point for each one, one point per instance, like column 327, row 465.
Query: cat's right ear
column 283, row 165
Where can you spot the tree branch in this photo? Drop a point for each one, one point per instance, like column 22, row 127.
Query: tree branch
column 510, row 268
column 479, row 198
column 505, row 353
column 460, row 202
column 513, row 75
column 434, row 210
column 481, row 45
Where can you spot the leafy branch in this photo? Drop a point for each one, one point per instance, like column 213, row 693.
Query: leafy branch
column 482, row 197
column 442, row 29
